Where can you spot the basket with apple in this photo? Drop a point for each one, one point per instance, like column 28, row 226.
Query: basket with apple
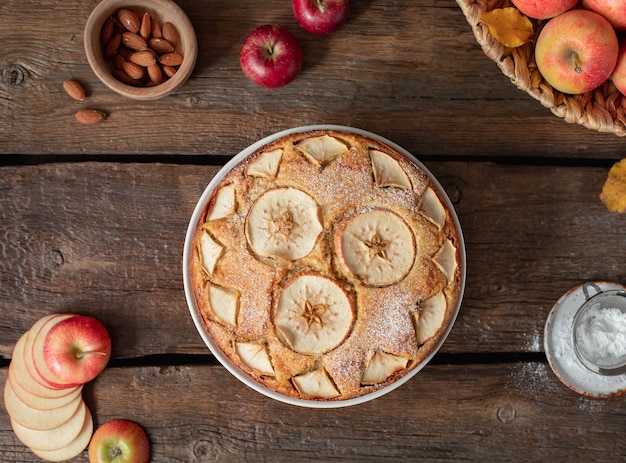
column 564, row 53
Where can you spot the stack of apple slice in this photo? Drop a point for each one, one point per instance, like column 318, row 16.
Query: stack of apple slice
column 43, row 391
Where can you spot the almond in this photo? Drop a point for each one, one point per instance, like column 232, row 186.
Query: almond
column 107, row 30
column 169, row 71
column 129, row 19
column 146, row 26
column 113, row 45
column 171, row 59
column 124, row 78
column 143, row 58
column 156, row 29
column 133, row 70
column 160, row 45
column 118, row 61
column 90, row 116
column 169, row 33
column 133, row 41
column 155, row 73
column 74, row 89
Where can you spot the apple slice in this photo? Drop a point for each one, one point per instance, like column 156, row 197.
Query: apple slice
column 38, row 355
column 256, row 356
column 316, row 384
column 55, row 438
column 321, row 151
column 430, row 317
column 74, row 448
column 38, row 402
column 266, row 165
column 376, row 246
column 388, row 172
column 283, row 223
column 382, row 365
column 225, row 203
column 445, row 258
column 314, row 314
column 210, row 252
column 224, row 303
column 37, row 419
column 24, row 376
column 432, row 208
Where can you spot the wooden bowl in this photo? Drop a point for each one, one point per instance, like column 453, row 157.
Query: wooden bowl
column 162, row 11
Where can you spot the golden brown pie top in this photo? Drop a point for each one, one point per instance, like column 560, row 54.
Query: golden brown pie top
column 326, row 265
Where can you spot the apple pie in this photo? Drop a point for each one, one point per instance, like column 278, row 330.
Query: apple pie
column 326, row 265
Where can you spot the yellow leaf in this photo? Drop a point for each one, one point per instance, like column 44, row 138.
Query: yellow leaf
column 508, row 26
column 614, row 190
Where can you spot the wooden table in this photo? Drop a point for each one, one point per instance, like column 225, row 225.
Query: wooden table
column 93, row 218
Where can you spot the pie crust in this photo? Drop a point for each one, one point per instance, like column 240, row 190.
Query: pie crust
column 326, row 265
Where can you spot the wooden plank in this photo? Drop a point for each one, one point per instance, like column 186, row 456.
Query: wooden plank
column 476, row 413
column 409, row 69
column 106, row 239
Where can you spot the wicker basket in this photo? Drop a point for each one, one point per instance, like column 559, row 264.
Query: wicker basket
column 603, row 109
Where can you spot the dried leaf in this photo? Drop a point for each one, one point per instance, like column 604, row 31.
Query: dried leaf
column 508, row 26
column 614, row 190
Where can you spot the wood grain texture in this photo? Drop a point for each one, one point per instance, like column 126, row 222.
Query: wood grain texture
column 510, row 412
column 106, row 239
column 410, row 69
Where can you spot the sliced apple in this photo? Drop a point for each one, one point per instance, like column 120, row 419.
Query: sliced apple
column 210, row 252
column 37, row 419
column 387, row 171
column 376, row 246
column 382, row 365
column 225, row 203
column 432, row 208
column 27, row 378
column 430, row 317
column 256, row 356
column 445, row 258
column 55, row 438
column 313, row 313
column 224, row 303
column 36, row 401
column 283, row 223
column 316, row 384
column 266, row 165
column 37, row 352
column 322, row 150
column 74, row 448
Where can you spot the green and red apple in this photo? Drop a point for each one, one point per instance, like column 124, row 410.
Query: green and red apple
column 544, row 9
column 576, row 51
column 119, row 441
column 613, row 10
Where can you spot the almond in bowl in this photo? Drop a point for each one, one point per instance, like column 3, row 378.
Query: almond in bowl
column 141, row 49
column 324, row 266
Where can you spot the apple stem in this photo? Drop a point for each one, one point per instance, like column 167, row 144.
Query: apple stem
column 80, row 355
column 577, row 68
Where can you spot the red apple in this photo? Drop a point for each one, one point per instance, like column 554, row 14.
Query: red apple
column 321, row 16
column 576, row 51
column 613, row 10
column 77, row 349
column 270, row 56
column 619, row 73
column 544, row 9
column 119, row 441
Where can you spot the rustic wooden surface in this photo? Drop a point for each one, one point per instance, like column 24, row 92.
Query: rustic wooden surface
column 92, row 220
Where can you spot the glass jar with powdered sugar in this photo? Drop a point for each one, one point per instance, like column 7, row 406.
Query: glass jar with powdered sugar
column 599, row 330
